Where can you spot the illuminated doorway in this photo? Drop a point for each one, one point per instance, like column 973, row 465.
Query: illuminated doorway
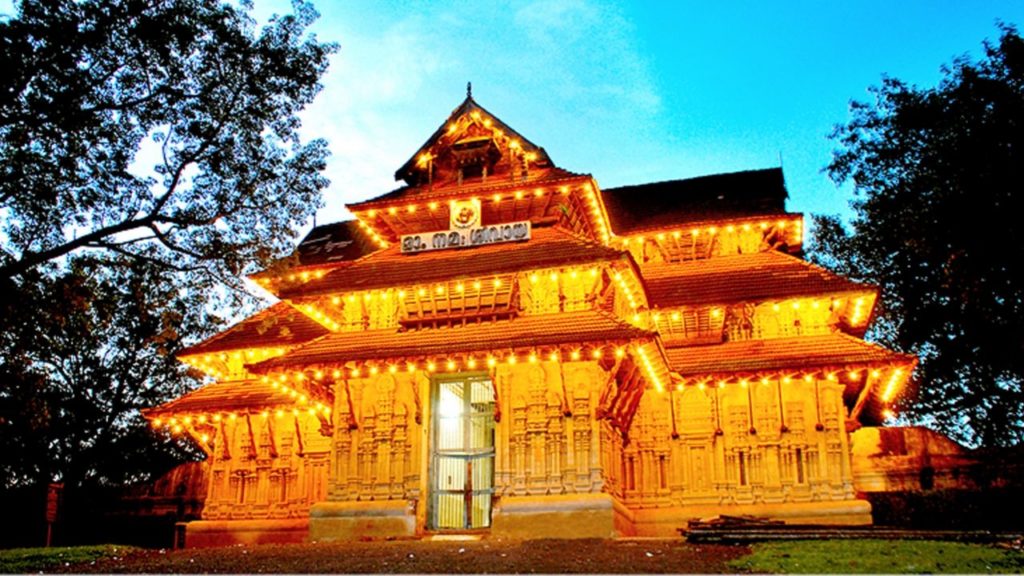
column 462, row 453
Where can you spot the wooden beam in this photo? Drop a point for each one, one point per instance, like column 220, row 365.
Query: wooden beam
column 566, row 408
column 326, row 425
column 497, row 401
column 865, row 392
column 672, row 411
column 298, row 439
column 199, row 440
column 270, row 435
column 352, row 423
column 225, row 441
column 603, row 404
column 252, row 437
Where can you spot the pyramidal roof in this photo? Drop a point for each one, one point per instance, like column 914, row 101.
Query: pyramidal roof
column 470, row 130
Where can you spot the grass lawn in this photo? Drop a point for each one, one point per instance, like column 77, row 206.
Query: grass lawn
column 22, row 560
column 879, row 557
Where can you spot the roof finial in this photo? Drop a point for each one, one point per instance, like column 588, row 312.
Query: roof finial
column 469, row 89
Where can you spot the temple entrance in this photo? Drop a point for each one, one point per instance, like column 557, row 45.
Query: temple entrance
column 462, row 453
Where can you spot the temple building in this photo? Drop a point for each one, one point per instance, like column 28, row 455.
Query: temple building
column 500, row 346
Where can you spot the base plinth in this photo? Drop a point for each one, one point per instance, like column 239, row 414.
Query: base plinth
column 333, row 521
column 562, row 516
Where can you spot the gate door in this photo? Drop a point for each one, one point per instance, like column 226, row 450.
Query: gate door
column 462, row 453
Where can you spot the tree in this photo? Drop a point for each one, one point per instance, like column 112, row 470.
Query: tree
column 149, row 156
column 160, row 130
column 937, row 175
column 80, row 353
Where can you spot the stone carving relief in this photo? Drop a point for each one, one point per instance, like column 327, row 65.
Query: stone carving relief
column 754, row 460
column 263, row 466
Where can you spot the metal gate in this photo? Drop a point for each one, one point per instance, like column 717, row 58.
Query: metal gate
column 462, row 453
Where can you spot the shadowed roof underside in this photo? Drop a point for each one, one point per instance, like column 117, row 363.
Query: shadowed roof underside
column 278, row 325
column 718, row 196
column 754, row 277
column 518, row 333
column 835, row 351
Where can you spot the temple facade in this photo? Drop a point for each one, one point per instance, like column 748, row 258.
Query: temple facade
column 501, row 346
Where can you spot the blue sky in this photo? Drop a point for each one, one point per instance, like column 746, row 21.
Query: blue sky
column 629, row 92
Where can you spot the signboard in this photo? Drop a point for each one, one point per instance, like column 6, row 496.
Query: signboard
column 465, row 231
column 467, row 237
column 52, row 499
column 53, row 492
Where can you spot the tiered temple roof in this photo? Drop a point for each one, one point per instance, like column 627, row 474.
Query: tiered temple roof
column 688, row 282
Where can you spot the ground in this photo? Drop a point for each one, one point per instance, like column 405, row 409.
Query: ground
column 537, row 556
column 412, row 556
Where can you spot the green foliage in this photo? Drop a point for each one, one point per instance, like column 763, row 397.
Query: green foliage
column 83, row 350
column 164, row 131
column 26, row 560
column 879, row 557
column 937, row 174
column 149, row 156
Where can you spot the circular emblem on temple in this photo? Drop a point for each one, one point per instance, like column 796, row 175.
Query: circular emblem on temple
column 465, row 214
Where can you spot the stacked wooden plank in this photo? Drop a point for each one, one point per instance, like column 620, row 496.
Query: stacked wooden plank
column 744, row 529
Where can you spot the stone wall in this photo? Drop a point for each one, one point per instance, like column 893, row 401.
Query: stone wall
column 732, row 450
column 910, row 458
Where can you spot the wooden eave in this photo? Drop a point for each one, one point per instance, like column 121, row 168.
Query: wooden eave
column 549, row 247
column 711, row 197
column 758, row 277
column 279, row 325
column 425, row 210
column 519, row 335
column 680, row 236
column 833, row 356
column 467, row 108
column 239, row 396
column 836, row 351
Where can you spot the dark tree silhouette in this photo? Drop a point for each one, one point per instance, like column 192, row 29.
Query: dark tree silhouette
column 938, row 175
column 149, row 155
column 160, row 130
column 82, row 351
